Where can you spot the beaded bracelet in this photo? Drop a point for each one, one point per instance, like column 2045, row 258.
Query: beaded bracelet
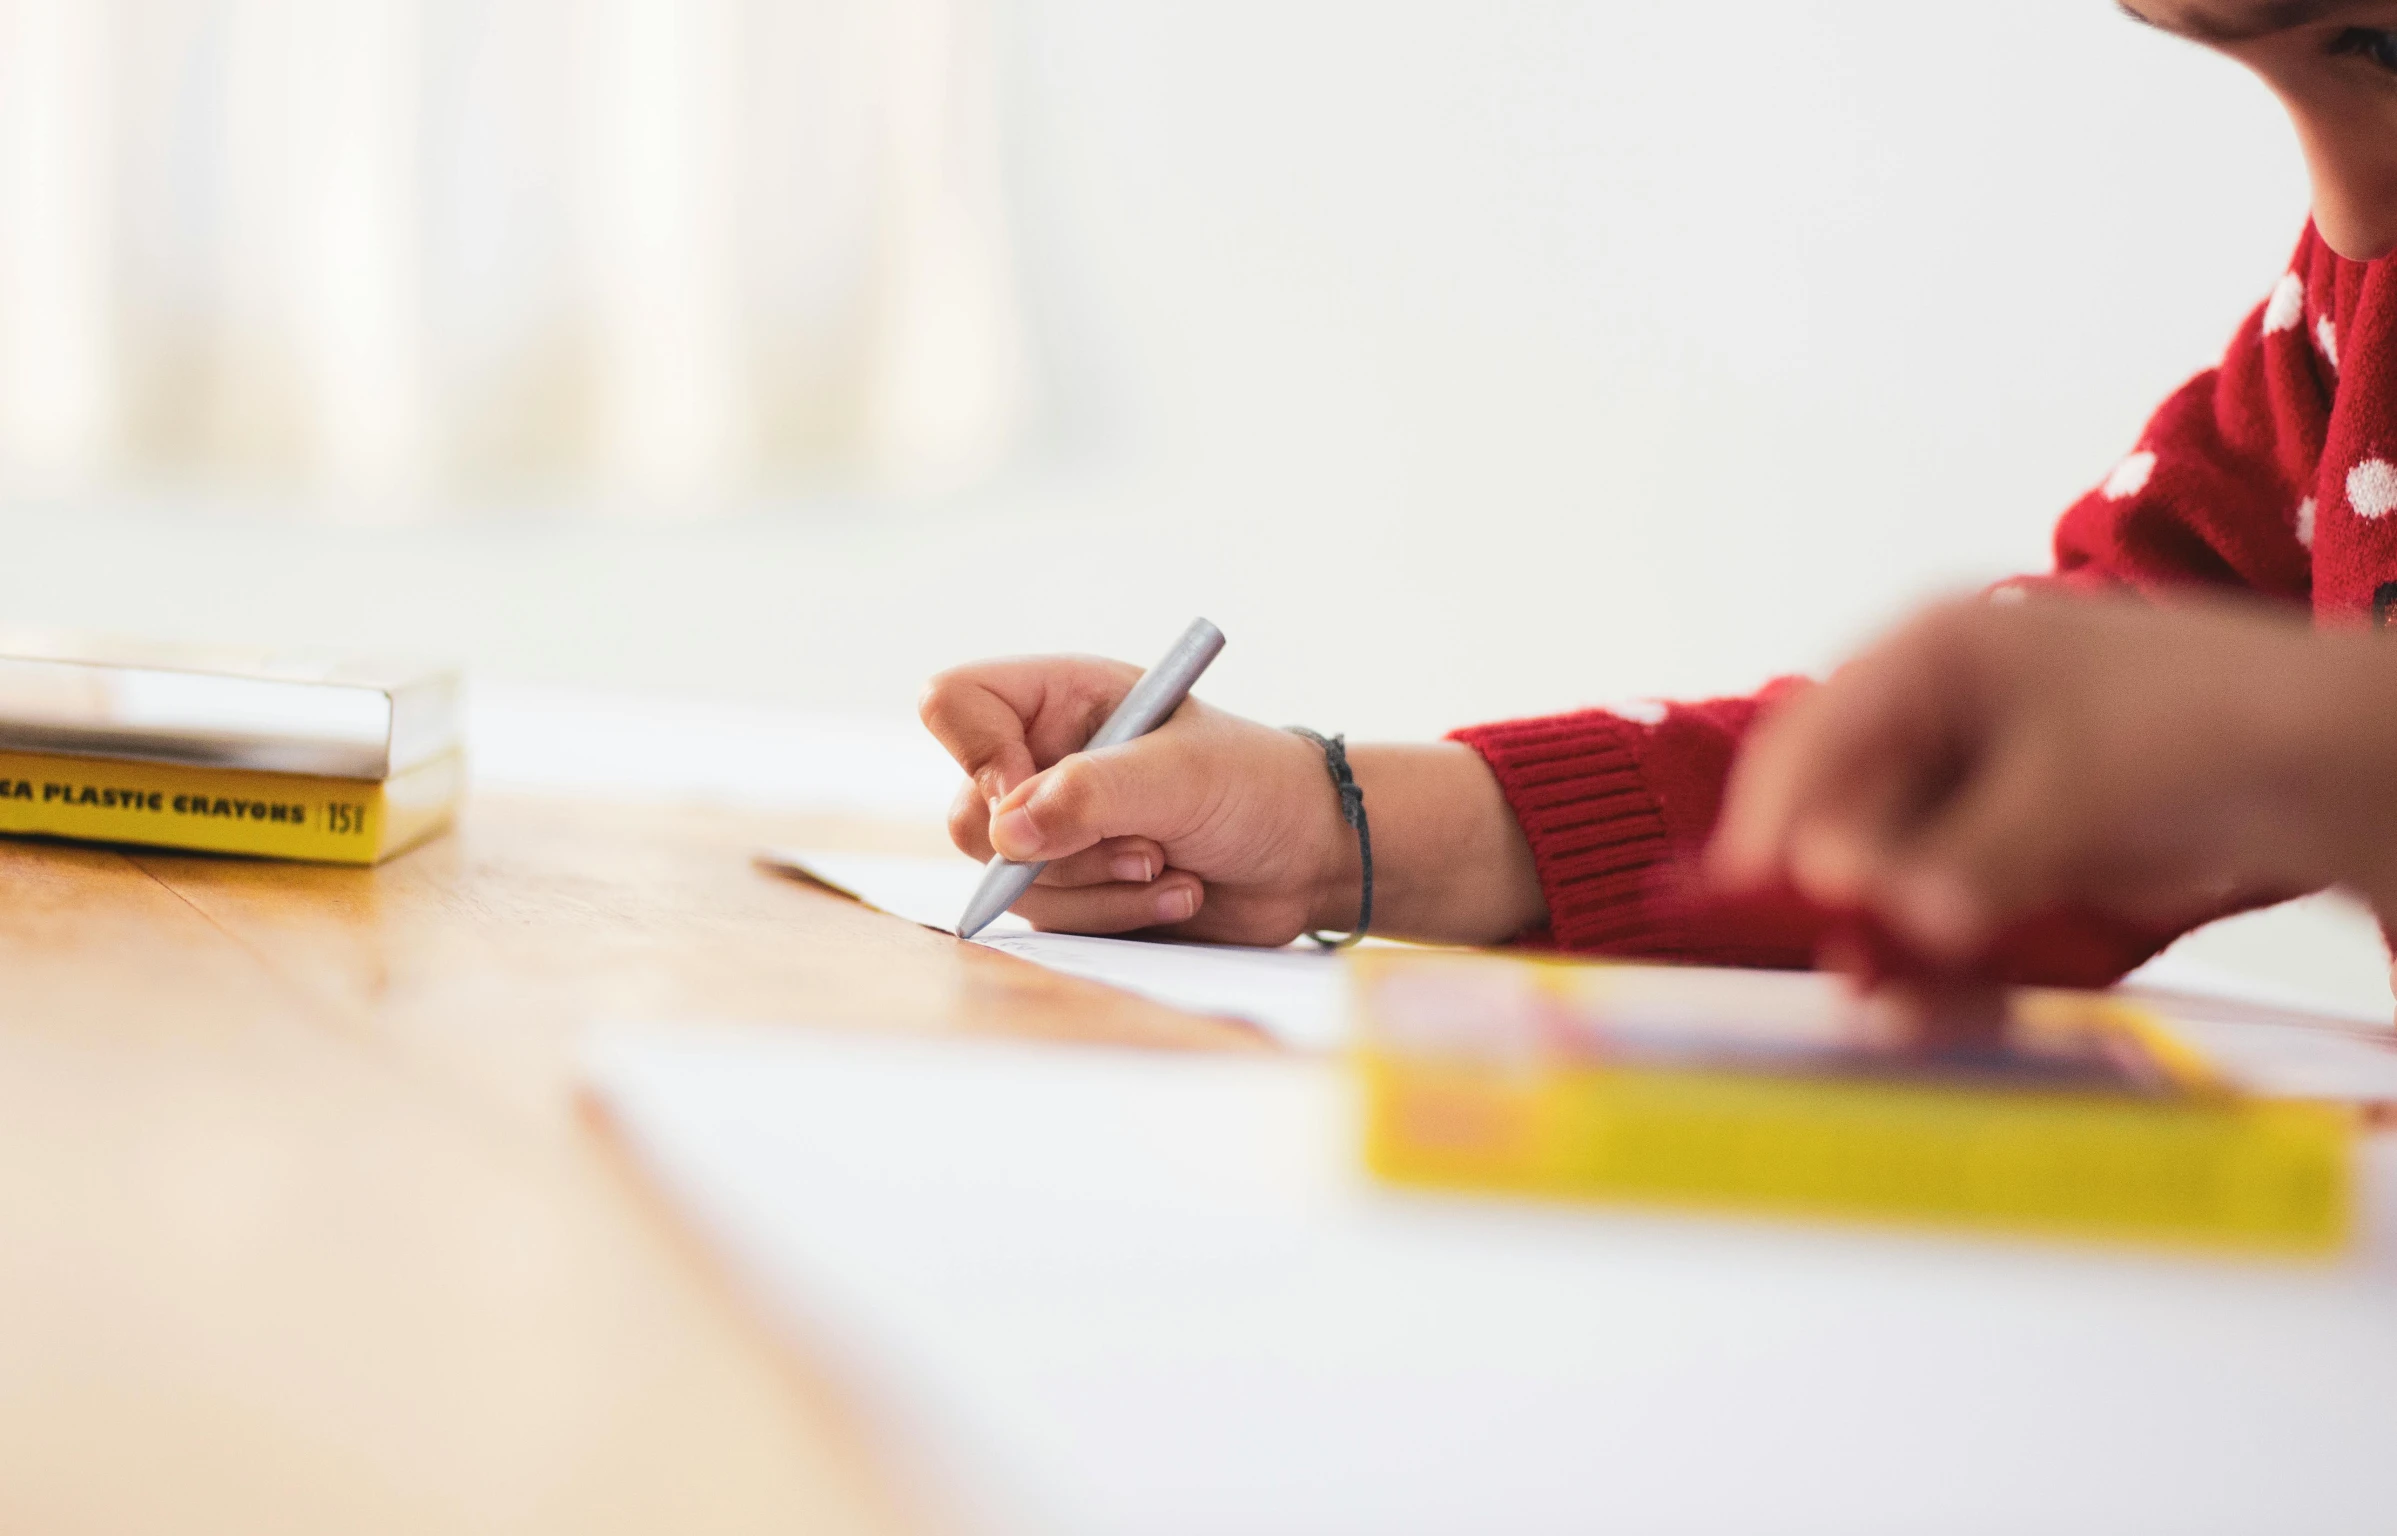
column 1352, row 811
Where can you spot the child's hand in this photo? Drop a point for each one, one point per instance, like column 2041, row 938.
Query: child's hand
column 1985, row 763
column 1215, row 827
column 1212, row 826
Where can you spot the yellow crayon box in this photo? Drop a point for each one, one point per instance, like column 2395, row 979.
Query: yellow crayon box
column 318, row 758
column 2058, row 1113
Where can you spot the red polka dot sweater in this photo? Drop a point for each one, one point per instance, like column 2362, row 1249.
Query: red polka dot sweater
column 2274, row 472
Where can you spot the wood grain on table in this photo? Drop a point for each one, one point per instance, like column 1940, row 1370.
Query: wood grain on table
column 303, row 1227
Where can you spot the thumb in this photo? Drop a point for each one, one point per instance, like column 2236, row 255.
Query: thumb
column 1130, row 790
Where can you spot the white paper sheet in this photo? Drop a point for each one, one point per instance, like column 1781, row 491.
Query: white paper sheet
column 1297, row 995
column 1112, row 1291
column 931, row 891
column 2282, row 1039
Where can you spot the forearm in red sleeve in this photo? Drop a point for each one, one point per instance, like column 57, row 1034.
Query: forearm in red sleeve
column 1618, row 804
column 1615, row 804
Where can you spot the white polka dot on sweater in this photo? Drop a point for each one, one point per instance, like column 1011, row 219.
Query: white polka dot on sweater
column 1640, row 711
column 2287, row 304
column 2372, row 488
column 2305, row 522
column 2130, row 476
column 2326, row 336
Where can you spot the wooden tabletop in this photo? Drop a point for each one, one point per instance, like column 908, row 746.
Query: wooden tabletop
column 303, row 1227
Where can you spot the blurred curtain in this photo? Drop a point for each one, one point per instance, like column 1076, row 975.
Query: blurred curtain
column 393, row 253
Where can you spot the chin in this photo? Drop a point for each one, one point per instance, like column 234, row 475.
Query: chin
column 2366, row 239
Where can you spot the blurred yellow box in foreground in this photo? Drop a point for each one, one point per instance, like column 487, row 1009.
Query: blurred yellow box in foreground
column 2072, row 1114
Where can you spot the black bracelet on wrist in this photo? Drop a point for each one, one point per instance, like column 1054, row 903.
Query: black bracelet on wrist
column 1352, row 811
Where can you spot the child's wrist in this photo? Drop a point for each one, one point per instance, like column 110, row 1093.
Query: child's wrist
column 2361, row 836
column 1449, row 863
column 2314, row 759
column 1337, row 889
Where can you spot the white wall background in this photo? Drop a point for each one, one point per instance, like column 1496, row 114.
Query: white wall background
column 1458, row 359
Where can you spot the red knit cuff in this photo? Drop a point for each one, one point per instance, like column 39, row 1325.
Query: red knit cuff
column 1598, row 837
